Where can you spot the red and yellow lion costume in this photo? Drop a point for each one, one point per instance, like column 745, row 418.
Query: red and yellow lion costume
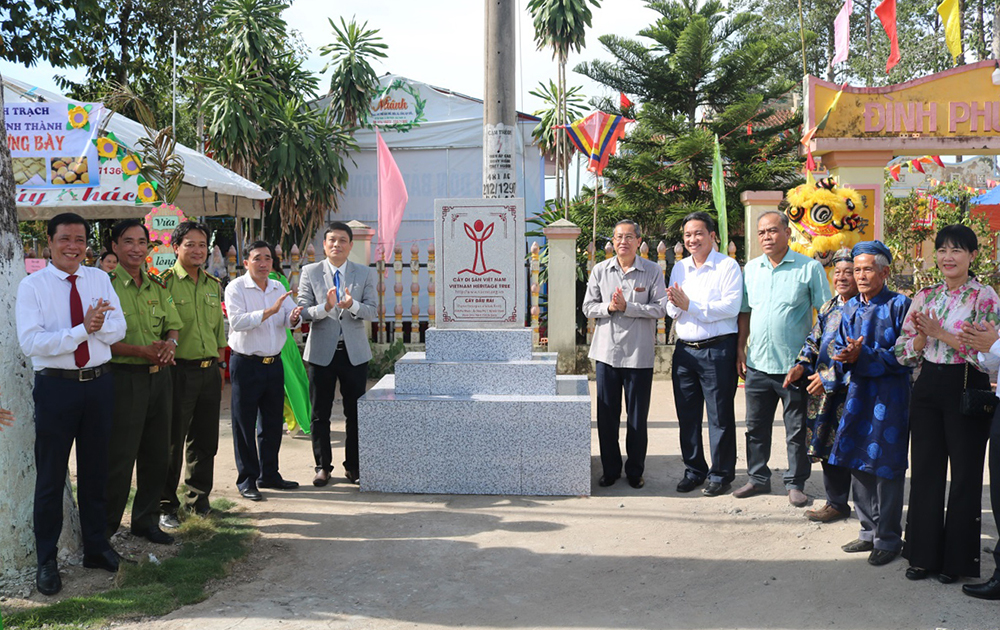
column 824, row 217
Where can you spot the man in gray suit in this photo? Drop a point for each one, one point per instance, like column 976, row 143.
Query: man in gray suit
column 337, row 298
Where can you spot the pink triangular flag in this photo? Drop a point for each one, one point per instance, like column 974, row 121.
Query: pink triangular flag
column 392, row 198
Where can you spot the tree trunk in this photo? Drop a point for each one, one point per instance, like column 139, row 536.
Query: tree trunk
column 980, row 31
column 17, row 443
column 996, row 31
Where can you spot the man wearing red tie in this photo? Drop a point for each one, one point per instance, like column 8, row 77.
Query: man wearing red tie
column 68, row 315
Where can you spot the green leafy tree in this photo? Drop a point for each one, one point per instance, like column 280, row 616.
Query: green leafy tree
column 562, row 26
column 354, row 83
column 545, row 132
column 910, row 222
column 36, row 30
column 261, row 126
column 699, row 71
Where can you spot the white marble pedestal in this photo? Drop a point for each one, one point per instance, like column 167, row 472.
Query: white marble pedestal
column 478, row 413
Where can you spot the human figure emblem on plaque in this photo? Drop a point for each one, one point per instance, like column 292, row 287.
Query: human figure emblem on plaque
column 479, row 232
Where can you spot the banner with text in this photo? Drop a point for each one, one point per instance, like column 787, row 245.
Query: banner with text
column 52, row 143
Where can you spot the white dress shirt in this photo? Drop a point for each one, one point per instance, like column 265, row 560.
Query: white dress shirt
column 44, row 328
column 715, row 291
column 991, row 360
column 249, row 332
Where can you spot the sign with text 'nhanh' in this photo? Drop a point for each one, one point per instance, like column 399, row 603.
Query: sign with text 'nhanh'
column 480, row 280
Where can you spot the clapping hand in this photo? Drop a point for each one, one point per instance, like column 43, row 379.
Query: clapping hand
column 93, row 320
column 296, row 314
column 618, row 301
column 851, row 353
column 927, row 325
column 273, row 310
column 678, row 297
column 347, row 301
column 979, row 337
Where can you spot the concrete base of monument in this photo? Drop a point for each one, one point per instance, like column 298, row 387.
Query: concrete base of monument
column 497, row 425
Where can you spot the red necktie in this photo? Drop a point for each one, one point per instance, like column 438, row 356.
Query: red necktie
column 82, row 352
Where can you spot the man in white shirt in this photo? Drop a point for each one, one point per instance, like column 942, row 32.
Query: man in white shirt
column 985, row 339
column 704, row 299
column 68, row 315
column 259, row 311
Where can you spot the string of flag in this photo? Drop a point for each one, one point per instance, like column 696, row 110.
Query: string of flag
column 949, row 10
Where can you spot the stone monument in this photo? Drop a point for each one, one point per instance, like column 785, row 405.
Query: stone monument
column 479, row 412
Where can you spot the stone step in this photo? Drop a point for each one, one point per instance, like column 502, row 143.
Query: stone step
column 416, row 374
column 478, row 345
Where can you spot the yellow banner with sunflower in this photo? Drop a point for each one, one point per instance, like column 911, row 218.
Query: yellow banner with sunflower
column 52, row 144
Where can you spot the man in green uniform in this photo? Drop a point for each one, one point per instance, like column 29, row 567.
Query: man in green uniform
column 197, row 374
column 143, row 387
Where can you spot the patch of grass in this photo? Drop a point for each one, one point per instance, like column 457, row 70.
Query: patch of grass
column 210, row 546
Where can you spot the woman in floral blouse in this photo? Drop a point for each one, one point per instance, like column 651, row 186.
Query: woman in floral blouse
column 946, row 543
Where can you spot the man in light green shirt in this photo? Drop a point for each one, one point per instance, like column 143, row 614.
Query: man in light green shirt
column 780, row 290
column 198, row 374
column 140, row 364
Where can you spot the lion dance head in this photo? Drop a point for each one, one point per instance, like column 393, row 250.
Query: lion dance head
column 824, row 217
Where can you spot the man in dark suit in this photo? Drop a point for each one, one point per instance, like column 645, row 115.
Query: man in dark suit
column 337, row 297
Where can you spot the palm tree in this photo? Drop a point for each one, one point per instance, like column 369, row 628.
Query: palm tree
column 354, row 82
column 561, row 25
column 545, row 133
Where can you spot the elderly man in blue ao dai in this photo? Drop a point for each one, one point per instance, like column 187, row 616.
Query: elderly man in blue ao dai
column 872, row 434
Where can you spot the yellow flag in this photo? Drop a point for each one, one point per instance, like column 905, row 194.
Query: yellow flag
column 949, row 12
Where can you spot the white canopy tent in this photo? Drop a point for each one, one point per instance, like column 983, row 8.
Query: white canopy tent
column 209, row 188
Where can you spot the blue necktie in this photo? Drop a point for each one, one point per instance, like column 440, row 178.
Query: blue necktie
column 336, row 283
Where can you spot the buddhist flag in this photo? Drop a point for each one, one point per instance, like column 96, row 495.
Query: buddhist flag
column 596, row 136
column 392, row 198
column 886, row 13
column 719, row 197
column 949, row 11
column 842, row 32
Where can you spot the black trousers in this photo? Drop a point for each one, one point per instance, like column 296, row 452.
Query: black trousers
column 257, row 388
column 68, row 411
column 706, row 378
column 837, row 483
column 995, row 485
column 322, row 385
column 637, row 384
column 194, row 434
column 140, row 438
column 936, row 539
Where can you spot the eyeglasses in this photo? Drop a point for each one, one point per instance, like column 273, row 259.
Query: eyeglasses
column 628, row 238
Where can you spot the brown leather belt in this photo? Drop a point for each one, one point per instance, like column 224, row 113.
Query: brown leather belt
column 84, row 375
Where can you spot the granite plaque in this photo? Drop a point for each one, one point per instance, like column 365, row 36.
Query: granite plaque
column 480, row 280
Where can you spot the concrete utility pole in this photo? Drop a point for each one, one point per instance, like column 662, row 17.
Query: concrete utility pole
column 499, row 113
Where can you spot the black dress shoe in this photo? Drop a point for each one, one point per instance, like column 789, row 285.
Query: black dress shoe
column 856, row 546
column 986, row 590
column 352, row 476
column 108, row 560
column 278, row 484
column 916, row 573
column 155, row 535
column 945, row 578
column 253, row 494
column 636, row 482
column 714, row 489
column 879, row 557
column 47, row 579
column 687, row 484
column 202, row 510
column 606, row 480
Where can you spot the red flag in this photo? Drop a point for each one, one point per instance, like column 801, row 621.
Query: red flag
column 917, row 165
column 625, row 103
column 810, row 163
column 392, row 200
column 937, row 160
column 886, row 12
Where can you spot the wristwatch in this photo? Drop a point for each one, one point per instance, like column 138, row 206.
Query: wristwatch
column 173, row 341
column 223, row 364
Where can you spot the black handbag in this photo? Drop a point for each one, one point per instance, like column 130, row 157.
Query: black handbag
column 977, row 403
